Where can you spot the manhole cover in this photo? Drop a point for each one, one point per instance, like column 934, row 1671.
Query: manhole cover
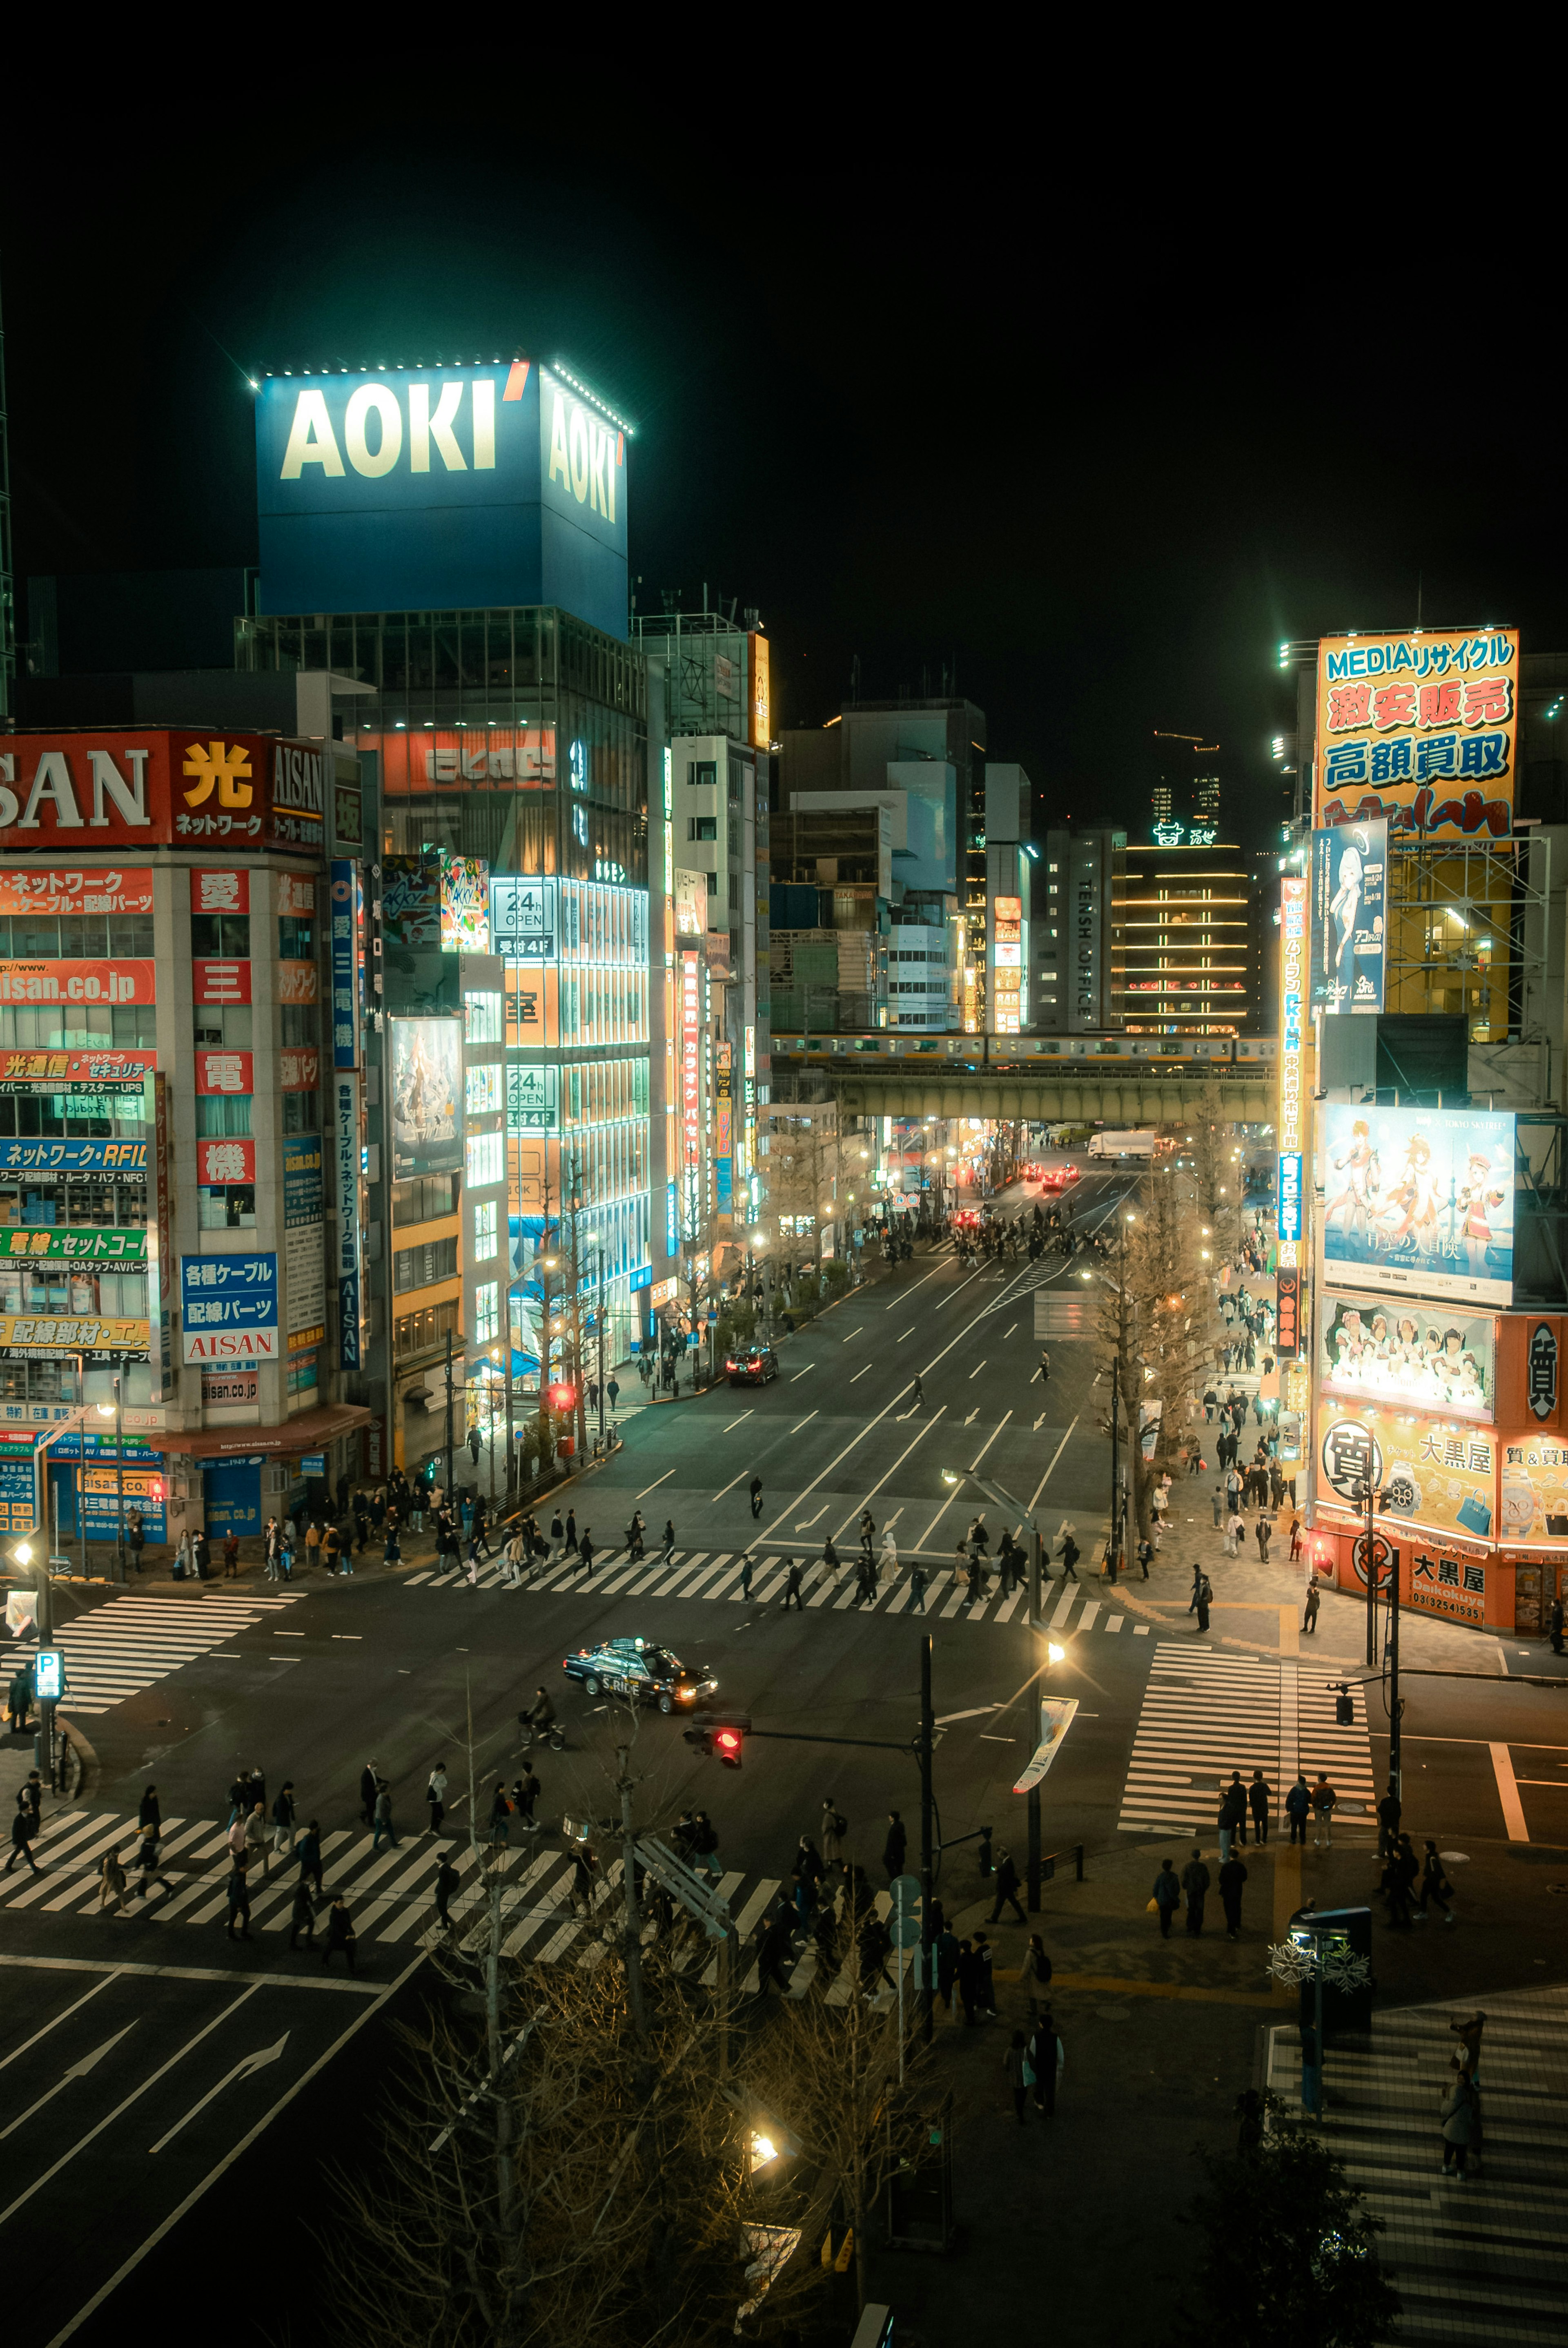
column 1113, row 2014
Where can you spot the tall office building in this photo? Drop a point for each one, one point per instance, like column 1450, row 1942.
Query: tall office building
column 1078, row 972
column 1189, row 917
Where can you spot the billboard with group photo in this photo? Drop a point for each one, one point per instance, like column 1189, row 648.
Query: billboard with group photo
column 1419, row 1201
column 1381, row 1349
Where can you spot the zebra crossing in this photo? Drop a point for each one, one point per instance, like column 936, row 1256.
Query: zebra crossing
column 1477, row 2263
column 716, row 1574
column 1207, row 1712
column 390, row 1892
column 1066, row 1312
column 128, row 1643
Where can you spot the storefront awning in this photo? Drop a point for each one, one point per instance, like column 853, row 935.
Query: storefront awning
column 309, row 1432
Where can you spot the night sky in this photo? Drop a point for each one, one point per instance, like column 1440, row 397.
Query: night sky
column 1099, row 490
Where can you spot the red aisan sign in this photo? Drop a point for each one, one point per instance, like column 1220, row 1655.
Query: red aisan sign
column 73, row 792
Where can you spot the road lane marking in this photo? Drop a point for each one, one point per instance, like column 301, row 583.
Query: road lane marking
column 17, row 2054
column 730, row 1486
column 803, row 1422
column 802, row 1374
column 1055, row 1456
column 1508, row 1794
column 890, row 1471
column 975, row 1371
column 657, row 1481
column 807, row 1526
column 243, row 2070
column 136, row 2094
column 909, row 1332
column 865, row 1372
column 975, row 1712
column 80, row 2069
column 853, row 1335
column 1008, row 1332
column 739, row 1416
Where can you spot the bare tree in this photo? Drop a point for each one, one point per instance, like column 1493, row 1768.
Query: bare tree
column 1158, row 1318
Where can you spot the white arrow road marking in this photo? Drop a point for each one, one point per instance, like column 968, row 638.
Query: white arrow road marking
column 1039, row 1423
column 257, row 2062
column 78, row 2071
column 971, row 1418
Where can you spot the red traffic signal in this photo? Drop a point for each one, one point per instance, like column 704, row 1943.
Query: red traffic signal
column 562, row 1397
column 724, row 1735
column 727, row 1744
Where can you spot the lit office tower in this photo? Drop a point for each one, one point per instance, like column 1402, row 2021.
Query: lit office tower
column 1206, row 786
column 517, row 737
column 1171, row 795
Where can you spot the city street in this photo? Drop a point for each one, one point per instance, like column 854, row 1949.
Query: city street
column 150, row 2034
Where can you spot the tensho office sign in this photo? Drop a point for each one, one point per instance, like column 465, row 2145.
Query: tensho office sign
column 423, row 488
column 79, row 792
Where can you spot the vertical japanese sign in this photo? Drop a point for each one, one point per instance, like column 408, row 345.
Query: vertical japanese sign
column 346, row 1006
column 1350, row 892
column 1287, row 1314
column 691, row 1042
column 347, row 1151
column 161, row 1250
column 1419, row 730
column 1292, row 1075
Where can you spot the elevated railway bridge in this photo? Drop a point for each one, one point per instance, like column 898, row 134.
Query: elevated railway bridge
column 1115, row 1080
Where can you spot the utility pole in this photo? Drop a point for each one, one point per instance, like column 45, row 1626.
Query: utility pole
column 927, row 1807
column 119, row 1471
column 1371, row 1573
column 1395, row 1759
column 1116, row 1456
column 449, row 1487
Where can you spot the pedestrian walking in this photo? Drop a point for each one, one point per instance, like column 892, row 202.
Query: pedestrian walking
column 1196, row 1884
column 748, row 1569
column 22, row 1832
column 150, row 1811
column 1019, row 2074
column 1198, row 1603
column 1005, row 1880
column 256, row 1840
column 1047, row 2061
column 919, row 1392
column 238, row 1901
column 833, row 1827
column 705, row 1845
column 894, row 1847
column 792, row 1587
column 383, row 1825
column 283, row 1820
column 150, row 1863
column 585, row 1551
column 1145, row 1551
column 1298, row 1804
column 1044, row 1368
column 1458, row 2114
column 571, row 1532
column 447, row 1880
column 1323, row 1801
column 1435, row 1884
column 525, row 1794
column 1554, row 1625
column 111, row 1882
column 1035, row 1973
column 1232, row 1821
column 310, row 1856
column 1309, row 1619
column 1218, row 1507
column 1166, row 1896
column 1258, row 1797
column 1232, row 1876
column 368, row 1786
column 435, row 1797
column 1070, row 1553
column 302, row 1914
column 339, row 1931
column 557, row 1538
column 668, row 1550
column 1388, row 1811
column 756, row 1496
column 500, row 1818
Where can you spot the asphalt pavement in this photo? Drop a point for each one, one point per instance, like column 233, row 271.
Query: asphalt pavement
column 127, row 2032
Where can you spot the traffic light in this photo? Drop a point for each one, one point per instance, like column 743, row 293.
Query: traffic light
column 562, row 1397
column 721, row 1733
column 1344, row 1711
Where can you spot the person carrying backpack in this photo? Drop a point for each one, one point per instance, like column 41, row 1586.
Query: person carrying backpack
column 1070, row 1553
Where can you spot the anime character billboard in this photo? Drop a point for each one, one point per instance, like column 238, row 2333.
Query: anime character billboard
column 1375, row 1349
column 1420, row 1202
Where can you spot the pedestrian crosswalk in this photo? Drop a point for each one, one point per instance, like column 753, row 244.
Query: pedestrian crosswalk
column 1066, row 1312
column 1477, row 2263
column 391, row 1892
column 125, row 1645
column 718, row 1575
column 1205, row 1713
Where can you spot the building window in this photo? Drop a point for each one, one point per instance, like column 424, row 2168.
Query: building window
column 481, row 1019
column 301, row 1379
column 487, row 1313
column 484, row 1090
column 300, row 1023
column 421, row 1267
column 302, row 1113
column 487, row 1238
column 226, row 1206
column 296, row 938
column 702, row 827
column 418, row 1332
column 227, row 1114
column 219, row 936
column 425, row 1200
column 486, row 1160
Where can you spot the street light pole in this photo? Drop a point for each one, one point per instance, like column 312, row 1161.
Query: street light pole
column 118, row 1472
column 927, row 1808
column 449, row 1487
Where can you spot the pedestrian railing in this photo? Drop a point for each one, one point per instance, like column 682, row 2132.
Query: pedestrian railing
column 1075, row 1852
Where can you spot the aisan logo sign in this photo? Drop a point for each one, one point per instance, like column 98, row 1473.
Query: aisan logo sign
column 82, row 791
column 422, row 489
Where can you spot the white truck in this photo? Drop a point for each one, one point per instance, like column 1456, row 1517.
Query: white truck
column 1140, row 1142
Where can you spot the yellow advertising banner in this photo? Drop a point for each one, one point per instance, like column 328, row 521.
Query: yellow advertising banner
column 1533, row 1503
column 1434, row 1472
column 28, row 1332
column 1420, row 729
